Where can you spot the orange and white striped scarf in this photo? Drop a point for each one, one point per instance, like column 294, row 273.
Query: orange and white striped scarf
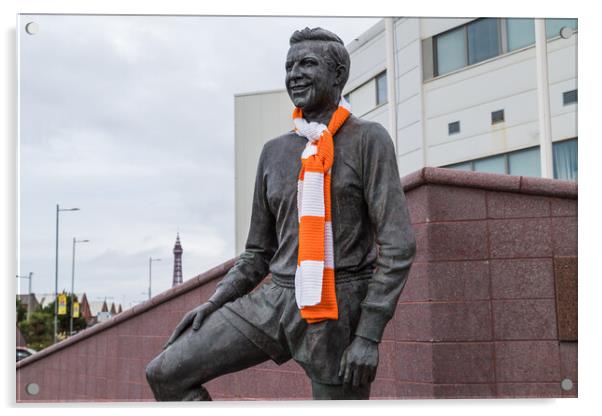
column 314, row 277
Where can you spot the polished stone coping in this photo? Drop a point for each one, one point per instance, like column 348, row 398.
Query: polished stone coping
column 490, row 181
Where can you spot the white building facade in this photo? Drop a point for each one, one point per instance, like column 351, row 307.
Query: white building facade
column 465, row 94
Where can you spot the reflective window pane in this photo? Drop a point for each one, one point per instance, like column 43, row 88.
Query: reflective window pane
column 525, row 163
column 553, row 26
column 461, row 166
column 381, row 88
column 521, row 33
column 495, row 164
column 483, row 40
column 451, row 51
column 565, row 160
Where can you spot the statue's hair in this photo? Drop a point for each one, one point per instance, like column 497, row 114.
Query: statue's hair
column 337, row 52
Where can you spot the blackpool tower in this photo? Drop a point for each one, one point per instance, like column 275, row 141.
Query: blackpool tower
column 177, row 262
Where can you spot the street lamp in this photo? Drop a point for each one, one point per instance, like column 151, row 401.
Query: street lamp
column 29, row 276
column 150, row 273
column 73, row 282
column 56, row 268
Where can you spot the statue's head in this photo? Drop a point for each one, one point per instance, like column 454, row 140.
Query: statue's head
column 317, row 68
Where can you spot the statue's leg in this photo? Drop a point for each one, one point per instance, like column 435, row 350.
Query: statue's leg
column 339, row 392
column 196, row 357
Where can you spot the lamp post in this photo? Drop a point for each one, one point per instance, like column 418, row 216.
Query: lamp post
column 73, row 282
column 29, row 276
column 150, row 274
column 56, row 268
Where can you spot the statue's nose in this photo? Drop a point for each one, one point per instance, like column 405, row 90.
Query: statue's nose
column 296, row 72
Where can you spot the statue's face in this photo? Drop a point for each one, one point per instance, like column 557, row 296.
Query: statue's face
column 311, row 83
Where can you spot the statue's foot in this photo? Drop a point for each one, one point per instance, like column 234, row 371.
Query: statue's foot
column 201, row 395
column 205, row 396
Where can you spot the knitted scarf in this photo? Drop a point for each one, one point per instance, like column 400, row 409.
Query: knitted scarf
column 314, row 277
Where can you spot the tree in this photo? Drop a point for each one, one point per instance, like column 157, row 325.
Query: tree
column 21, row 311
column 39, row 330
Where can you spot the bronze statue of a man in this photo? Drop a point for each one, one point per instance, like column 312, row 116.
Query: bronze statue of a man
column 372, row 248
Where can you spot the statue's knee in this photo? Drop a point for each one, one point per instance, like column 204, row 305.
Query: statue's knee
column 154, row 374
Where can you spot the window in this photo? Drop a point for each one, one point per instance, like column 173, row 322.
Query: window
column 495, row 164
column 381, row 88
column 565, row 159
column 521, row 33
column 569, row 97
column 525, row 162
column 451, row 51
column 368, row 95
column 453, row 128
column 553, row 26
column 483, row 40
column 461, row 166
column 467, row 45
column 497, row 116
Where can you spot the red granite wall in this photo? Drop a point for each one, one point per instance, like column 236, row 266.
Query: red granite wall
column 107, row 362
column 485, row 278
column 489, row 309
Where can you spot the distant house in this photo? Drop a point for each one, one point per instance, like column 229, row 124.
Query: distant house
column 92, row 311
column 84, row 308
column 100, row 311
column 26, row 299
column 45, row 299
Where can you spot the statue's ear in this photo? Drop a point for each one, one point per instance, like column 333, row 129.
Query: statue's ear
column 340, row 72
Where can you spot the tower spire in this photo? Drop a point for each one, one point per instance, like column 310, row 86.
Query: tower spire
column 177, row 262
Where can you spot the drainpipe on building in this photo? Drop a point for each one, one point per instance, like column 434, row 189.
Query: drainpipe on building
column 422, row 113
column 543, row 100
column 391, row 81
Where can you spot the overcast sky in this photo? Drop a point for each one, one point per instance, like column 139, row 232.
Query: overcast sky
column 130, row 119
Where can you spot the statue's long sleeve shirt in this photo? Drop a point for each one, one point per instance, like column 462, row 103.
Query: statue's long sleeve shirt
column 370, row 220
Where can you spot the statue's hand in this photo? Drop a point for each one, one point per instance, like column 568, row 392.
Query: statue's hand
column 194, row 317
column 359, row 362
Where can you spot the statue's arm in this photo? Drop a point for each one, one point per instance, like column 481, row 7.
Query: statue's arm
column 250, row 268
column 253, row 264
column 391, row 223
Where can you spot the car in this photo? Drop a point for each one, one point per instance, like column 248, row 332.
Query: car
column 24, row 352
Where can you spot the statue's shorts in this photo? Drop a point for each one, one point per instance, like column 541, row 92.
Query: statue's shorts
column 269, row 318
